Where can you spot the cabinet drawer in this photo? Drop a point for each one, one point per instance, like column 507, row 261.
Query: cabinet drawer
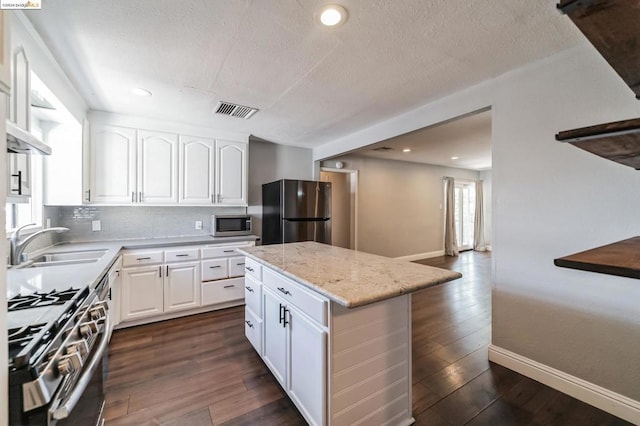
column 142, row 258
column 222, row 291
column 253, row 330
column 177, row 255
column 215, row 269
column 220, row 251
column 253, row 268
column 314, row 305
column 236, row 266
column 253, row 295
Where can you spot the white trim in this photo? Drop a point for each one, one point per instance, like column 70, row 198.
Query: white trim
column 419, row 256
column 604, row 399
column 354, row 188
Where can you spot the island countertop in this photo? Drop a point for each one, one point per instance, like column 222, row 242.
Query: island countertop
column 348, row 277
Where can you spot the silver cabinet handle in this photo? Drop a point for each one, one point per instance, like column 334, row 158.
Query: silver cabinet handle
column 249, row 289
column 239, row 264
column 88, row 192
column 182, row 255
column 19, row 176
column 214, row 267
column 133, row 196
column 249, row 268
column 249, row 323
column 229, row 286
column 140, row 197
column 143, row 258
column 229, row 251
column 160, row 271
column 167, row 271
column 212, row 202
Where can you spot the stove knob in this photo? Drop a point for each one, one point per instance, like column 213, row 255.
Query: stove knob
column 81, row 347
column 98, row 313
column 68, row 364
column 88, row 329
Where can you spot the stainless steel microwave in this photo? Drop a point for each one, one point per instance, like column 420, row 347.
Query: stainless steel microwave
column 230, row 225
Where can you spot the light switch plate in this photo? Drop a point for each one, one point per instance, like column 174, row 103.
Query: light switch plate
column 198, row 224
column 96, row 225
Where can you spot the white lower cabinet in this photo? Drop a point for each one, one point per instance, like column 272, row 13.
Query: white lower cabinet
column 163, row 283
column 182, row 286
column 142, row 292
column 340, row 366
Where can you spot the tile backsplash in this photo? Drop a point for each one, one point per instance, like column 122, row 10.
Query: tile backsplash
column 130, row 222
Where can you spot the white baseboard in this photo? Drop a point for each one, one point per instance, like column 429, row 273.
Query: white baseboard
column 419, row 256
column 604, row 399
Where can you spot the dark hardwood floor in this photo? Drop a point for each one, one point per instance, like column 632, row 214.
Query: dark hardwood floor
column 201, row 370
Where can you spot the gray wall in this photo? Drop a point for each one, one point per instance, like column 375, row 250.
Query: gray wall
column 549, row 200
column 269, row 162
column 341, row 199
column 400, row 204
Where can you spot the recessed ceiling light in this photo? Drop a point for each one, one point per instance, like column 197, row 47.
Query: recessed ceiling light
column 406, row 150
column 454, row 158
column 138, row 91
column 332, row 15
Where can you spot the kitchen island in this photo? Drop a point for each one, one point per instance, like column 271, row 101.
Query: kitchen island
column 334, row 327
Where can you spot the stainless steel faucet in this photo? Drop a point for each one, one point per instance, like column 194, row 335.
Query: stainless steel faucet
column 17, row 247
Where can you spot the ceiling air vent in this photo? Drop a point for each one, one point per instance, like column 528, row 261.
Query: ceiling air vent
column 234, row 110
column 383, row 149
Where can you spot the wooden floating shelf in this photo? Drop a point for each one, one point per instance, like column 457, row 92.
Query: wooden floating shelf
column 621, row 259
column 612, row 27
column 618, row 141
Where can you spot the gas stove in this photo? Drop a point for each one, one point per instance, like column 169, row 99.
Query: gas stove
column 57, row 341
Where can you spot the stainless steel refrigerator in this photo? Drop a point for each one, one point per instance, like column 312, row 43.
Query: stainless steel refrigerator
column 296, row 210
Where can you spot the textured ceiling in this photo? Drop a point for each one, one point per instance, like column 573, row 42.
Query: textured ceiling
column 468, row 138
column 311, row 84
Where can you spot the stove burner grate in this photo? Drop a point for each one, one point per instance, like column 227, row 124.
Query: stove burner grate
column 35, row 300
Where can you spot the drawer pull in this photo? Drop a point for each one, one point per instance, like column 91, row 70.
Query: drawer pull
column 249, row 323
column 228, row 251
column 229, row 286
column 282, row 290
column 182, row 255
column 239, row 264
column 214, row 267
column 249, row 289
column 143, row 258
column 249, row 268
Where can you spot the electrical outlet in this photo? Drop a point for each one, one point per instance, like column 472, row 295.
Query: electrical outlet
column 48, row 222
column 96, row 225
column 198, row 224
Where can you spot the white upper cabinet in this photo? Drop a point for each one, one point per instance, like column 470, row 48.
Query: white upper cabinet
column 157, row 167
column 135, row 166
column 231, row 173
column 5, row 55
column 112, row 165
column 196, row 170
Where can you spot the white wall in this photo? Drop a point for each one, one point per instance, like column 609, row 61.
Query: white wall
column 485, row 176
column 549, row 200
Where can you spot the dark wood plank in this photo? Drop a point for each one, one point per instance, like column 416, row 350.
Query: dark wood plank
column 201, row 370
column 621, row 258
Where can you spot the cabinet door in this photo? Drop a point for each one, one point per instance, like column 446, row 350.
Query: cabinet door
column 307, row 367
column 182, row 286
column 112, row 164
column 196, row 170
column 21, row 89
column 231, row 173
column 19, row 188
column 157, row 167
column 5, row 56
column 142, row 292
column 275, row 337
column 236, row 266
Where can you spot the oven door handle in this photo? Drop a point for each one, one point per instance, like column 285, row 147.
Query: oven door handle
column 63, row 411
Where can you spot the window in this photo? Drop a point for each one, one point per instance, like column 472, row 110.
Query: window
column 465, row 207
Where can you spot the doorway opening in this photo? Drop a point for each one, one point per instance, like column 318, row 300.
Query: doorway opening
column 464, row 212
column 344, row 206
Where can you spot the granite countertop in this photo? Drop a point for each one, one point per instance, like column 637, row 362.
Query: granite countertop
column 350, row 278
column 62, row 277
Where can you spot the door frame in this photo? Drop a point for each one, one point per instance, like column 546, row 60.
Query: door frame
column 354, row 191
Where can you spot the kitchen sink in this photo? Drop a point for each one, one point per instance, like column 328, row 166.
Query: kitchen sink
column 66, row 258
